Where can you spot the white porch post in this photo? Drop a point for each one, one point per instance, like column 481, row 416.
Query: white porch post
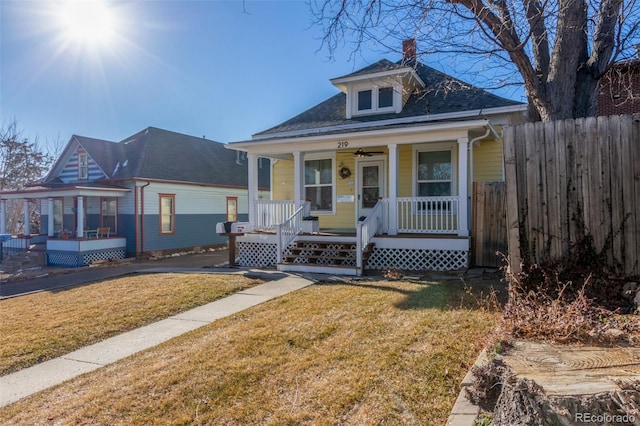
column 393, row 189
column 27, row 221
column 463, row 186
column 80, row 216
column 50, row 230
column 298, row 178
column 3, row 216
column 252, row 167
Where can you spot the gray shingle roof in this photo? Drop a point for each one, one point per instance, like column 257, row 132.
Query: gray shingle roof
column 164, row 155
column 104, row 153
column 443, row 94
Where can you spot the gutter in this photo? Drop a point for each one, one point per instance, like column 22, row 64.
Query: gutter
column 405, row 120
column 478, row 123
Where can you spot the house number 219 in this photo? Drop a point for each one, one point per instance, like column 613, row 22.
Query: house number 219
column 343, row 144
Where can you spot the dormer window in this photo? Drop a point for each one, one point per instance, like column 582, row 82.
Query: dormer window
column 364, row 100
column 385, row 97
column 382, row 89
column 375, row 100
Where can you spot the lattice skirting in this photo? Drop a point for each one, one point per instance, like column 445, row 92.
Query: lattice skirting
column 257, row 254
column 264, row 254
column 418, row 260
column 74, row 259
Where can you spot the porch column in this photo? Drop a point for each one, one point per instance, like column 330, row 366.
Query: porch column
column 26, row 230
column 298, row 178
column 463, row 185
column 3, row 216
column 393, row 190
column 252, row 167
column 80, row 216
column 50, row 217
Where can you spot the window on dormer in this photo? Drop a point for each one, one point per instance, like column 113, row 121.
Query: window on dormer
column 374, row 100
column 385, row 97
column 364, row 100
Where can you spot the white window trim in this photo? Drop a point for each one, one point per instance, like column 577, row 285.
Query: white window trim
column 86, row 166
column 323, row 156
column 353, row 93
column 444, row 146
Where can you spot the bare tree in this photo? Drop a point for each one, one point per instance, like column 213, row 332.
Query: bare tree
column 557, row 49
column 21, row 162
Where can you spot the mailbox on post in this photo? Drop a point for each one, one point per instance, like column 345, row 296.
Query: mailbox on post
column 232, row 230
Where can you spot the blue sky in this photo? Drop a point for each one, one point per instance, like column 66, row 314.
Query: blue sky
column 224, row 69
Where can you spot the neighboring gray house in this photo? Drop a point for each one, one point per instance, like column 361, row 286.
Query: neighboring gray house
column 155, row 191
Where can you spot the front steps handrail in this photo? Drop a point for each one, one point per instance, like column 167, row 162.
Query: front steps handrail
column 366, row 230
column 286, row 231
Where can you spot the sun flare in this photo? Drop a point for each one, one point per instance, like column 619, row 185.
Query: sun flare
column 87, row 22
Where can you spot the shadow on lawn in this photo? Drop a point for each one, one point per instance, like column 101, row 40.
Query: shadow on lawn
column 449, row 294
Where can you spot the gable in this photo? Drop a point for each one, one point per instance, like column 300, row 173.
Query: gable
column 66, row 169
column 73, row 172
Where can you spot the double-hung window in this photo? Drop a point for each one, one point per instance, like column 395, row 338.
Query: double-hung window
column 318, row 184
column 83, row 166
column 167, row 214
column 435, row 178
column 232, row 209
column 109, row 210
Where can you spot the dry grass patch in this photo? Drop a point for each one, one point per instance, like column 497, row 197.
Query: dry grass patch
column 41, row 326
column 369, row 353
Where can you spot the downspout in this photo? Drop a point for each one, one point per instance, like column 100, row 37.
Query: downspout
column 470, row 148
column 470, row 182
column 142, row 216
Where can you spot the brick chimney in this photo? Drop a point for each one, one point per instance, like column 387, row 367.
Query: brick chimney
column 409, row 49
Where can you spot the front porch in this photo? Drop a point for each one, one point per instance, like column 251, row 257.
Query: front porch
column 66, row 251
column 409, row 233
column 84, row 251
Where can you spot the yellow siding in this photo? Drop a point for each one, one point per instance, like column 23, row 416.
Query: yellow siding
column 487, row 161
column 405, row 171
column 345, row 212
column 282, row 185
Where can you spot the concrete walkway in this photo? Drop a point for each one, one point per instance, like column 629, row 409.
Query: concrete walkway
column 28, row 381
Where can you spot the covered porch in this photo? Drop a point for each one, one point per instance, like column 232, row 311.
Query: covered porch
column 426, row 236
column 79, row 225
column 402, row 193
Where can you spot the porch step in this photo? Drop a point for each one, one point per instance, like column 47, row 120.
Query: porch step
column 325, row 253
column 12, row 262
column 319, row 269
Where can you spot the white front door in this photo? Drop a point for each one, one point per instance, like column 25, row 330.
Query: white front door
column 371, row 185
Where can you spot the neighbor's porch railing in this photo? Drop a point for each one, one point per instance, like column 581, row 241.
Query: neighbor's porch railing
column 286, row 232
column 427, row 215
column 269, row 214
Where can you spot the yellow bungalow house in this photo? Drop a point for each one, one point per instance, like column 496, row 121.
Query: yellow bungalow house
column 378, row 175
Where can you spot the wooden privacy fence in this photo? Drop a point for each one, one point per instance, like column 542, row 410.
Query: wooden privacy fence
column 571, row 177
column 489, row 224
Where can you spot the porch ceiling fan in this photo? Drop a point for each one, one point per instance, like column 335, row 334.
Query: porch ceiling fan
column 360, row 153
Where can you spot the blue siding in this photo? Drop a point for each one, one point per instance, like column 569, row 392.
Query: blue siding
column 191, row 230
column 70, row 171
column 127, row 229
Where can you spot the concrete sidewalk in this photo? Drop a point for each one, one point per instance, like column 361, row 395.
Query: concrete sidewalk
column 28, row 381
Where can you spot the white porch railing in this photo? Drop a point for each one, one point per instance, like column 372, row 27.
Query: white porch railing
column 367, row 229
column 286, row 232
column 269, row 214
column 427, row 215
